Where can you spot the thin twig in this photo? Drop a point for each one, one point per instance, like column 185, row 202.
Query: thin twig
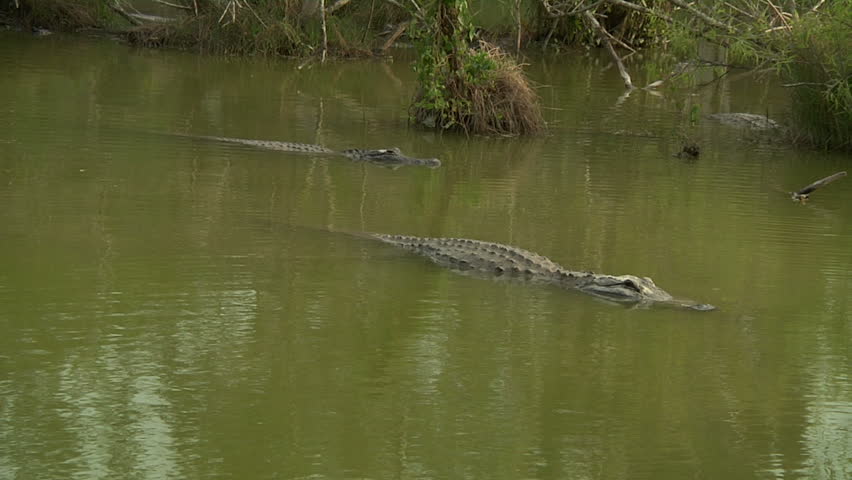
column 555, row 12
column 734, row 7
column 620, row 43
column 394, row 36
column 324, row 32
column 417, row 13
column 640, row 8
column 779, row 14
column 703, row 16
column 550, row 33
column 417, row 7
column 248, row 5
column 224, row 12
column 339, row 4
column 802, row 84
column 518, row 12
column 369, row 22
column 173, row 5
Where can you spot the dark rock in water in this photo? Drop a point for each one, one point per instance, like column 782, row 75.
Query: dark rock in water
column 689, row 150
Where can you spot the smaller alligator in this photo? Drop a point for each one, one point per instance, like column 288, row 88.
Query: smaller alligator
column 495, row 259
column 386, row 157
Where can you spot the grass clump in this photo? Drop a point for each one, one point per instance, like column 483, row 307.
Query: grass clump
column 819, row 69
column 269, row 28
column 466, row 85
column 262, row 28
column 61, row 15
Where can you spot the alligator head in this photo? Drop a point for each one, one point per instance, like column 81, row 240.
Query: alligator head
column 632, row 289
column 391, row 157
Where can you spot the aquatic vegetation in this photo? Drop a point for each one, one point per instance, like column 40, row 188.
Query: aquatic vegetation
column 818, row 69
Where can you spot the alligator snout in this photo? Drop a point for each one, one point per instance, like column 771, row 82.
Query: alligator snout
column 390, row 157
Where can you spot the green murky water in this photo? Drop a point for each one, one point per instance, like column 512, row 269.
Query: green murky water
column 172, row 308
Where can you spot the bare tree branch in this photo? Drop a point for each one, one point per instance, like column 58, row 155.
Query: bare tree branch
column 248, row 5
column 704, row 17
column 173, row 5
column 556, row 11
column 338, row 5
column 394, row 36
column 120, row 11
column 324, row 32
column 806, row 191
column 640, row 8
column 604, row 36
column 781, row 15
column 737, row 9
column 417, row 13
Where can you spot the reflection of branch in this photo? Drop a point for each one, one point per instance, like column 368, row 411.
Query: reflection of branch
column 605, row 40
column 714, row 80
column 391, row 76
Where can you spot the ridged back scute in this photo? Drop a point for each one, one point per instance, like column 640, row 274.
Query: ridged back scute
column 466, row 254
column 273, row 145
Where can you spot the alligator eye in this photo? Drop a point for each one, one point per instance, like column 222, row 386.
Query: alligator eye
column 632, row 285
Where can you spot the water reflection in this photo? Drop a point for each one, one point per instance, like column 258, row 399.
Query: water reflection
column 182, row 309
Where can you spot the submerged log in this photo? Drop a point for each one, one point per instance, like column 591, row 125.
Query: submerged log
column 805, row 192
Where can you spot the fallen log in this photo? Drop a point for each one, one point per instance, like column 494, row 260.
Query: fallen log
column 805, row 192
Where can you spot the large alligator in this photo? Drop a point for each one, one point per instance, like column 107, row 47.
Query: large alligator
column 386, row 157
column 502, row 260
